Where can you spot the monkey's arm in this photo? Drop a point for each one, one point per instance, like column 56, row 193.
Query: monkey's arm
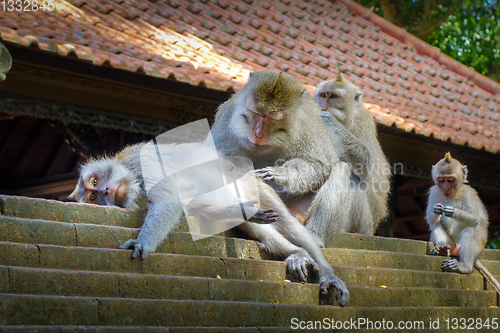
column 297, row 176
column 160, row 220
column 245, row 210
column 466, row 217
column 356, row 153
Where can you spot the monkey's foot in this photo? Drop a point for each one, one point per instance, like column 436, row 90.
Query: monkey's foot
column 136, row 246
column 328, row 281
column 298, row 263
column 265, row 216
column 441, row 250
column 453, row 265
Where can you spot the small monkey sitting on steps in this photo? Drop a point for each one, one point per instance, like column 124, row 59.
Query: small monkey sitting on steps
column 455, row 214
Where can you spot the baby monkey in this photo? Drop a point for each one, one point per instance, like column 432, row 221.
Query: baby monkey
column 456, row 215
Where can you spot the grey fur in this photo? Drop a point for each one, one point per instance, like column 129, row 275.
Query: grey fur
column 458, row 218
column 353, row 134
column 286, row 236
column 294, row 160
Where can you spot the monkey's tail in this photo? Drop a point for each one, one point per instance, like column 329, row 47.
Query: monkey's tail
column 486, row 273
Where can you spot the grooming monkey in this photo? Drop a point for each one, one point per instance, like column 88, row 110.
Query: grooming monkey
column 119, row 181
column 456, row 215
column 353, row 133
column 274, row 121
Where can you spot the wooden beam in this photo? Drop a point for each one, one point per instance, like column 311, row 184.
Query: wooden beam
column 51, row 189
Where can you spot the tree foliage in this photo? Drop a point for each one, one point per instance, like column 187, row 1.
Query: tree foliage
column 471, row 34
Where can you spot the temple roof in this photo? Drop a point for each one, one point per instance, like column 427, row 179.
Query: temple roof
column 406, row 83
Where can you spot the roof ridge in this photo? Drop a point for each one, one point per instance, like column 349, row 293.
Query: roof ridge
column 421, row 47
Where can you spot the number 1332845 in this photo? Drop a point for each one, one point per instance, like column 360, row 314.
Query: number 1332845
column 26, row 5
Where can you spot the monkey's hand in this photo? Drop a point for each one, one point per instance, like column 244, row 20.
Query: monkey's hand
column 262, row 216
column 136, row 246
column 271, row 174
column 298, row 263
column 438, row 208
column 265, row 216
column 330, row 119
column 449, row 211
column 440, row 250
column 328, row 281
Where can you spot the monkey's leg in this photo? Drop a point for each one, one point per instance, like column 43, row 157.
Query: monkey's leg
column 330, row 210
column 440, row 238
column 470, row 247
column 271, row 240
column 298, row 234
column 360, row 218
column 160, row 220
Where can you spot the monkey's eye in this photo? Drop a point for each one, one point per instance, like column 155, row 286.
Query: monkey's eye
column 323, row 95
column 95, row 181
column 334, row 96
column 92, row 196
column 441, row 180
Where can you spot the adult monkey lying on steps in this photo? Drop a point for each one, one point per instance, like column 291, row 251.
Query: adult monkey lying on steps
column 353, row 133
column 272, row 121
column 119, row 181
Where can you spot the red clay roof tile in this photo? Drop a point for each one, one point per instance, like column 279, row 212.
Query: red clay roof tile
column 406, row 83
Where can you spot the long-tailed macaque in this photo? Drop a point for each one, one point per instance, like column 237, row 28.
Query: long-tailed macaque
column 456, row 215
column 274, row 121
column 353, row 133
column 119, row 181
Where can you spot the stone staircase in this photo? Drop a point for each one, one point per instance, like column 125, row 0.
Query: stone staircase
column 61, row 271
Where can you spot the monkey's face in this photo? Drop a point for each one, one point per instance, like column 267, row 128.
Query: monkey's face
column 340, row 98
column 260, row 129
column 103, row 182
column 448, row 185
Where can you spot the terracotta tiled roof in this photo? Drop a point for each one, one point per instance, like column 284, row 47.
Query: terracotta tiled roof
column 216, row 43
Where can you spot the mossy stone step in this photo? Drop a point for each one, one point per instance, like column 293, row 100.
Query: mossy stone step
column 96, row 284
column 71, row 310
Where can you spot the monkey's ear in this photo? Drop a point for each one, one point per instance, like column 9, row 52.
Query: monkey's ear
column 466, row 173
column 358, row 96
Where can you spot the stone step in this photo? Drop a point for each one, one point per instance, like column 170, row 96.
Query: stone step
column 52, row 210
column 104, row 311
column 90, row 235
column 22, row 280
column 119, row 261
